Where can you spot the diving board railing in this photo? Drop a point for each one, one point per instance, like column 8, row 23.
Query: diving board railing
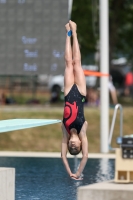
column 118, row 106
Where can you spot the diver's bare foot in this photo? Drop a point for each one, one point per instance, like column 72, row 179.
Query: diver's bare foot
column 67, row 26
column 73, row 26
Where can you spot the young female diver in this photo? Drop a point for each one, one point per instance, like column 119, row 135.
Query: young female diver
column 74, row 125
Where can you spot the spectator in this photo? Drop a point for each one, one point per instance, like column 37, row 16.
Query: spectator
column 129, row 84
column 2, row 98
column 92, row 97
column 112, row 91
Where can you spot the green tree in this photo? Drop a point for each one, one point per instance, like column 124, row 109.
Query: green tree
column 121, row 30
column 82, row 15
column 86, row 15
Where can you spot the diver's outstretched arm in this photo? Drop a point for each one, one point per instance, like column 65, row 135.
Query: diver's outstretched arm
column 64, row 150
column 64, row 153
column 84, row 157
column 84, row 141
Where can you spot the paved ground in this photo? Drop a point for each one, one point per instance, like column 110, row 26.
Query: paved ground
column 108, row 190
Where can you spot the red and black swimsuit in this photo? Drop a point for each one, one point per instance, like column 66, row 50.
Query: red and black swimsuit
column 74, row 110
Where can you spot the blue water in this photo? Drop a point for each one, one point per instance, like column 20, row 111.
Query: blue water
column 46, row 178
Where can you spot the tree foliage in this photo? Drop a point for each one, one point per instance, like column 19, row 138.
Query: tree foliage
column 85, row 14
column 82, row 15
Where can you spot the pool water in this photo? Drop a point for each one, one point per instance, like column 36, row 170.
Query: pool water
column 46, row 178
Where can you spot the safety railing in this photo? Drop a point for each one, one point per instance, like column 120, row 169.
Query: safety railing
column 118, row 106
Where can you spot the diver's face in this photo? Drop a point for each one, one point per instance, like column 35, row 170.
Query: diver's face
column 74, row 143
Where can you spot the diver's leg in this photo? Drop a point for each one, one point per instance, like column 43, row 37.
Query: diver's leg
column 79, row 77
column 68, row 75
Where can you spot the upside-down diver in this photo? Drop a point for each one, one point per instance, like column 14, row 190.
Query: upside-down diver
column 74, row 125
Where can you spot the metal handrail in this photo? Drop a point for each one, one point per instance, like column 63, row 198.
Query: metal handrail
column 113, row 124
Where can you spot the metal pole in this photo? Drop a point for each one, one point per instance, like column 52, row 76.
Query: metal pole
column 70, row 3
column 104, row 66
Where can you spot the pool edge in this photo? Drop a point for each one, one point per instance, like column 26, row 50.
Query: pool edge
column 51, row 154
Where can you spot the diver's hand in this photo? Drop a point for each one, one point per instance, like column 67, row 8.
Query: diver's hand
column 75, row 177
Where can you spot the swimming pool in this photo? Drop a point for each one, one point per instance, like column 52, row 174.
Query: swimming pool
column 46, row 178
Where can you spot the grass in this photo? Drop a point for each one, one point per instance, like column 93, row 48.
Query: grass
column 23, row 98
column 48, row 138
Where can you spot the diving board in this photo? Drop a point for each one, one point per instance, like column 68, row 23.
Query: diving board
column 18, row 124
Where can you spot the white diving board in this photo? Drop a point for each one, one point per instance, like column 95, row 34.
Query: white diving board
column 18, row 124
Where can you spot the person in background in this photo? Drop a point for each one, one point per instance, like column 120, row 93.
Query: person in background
column 129, row 84
column 112, row 91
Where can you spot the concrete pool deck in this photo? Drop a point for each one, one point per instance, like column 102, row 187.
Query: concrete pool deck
column 7, row 183
column 105, row 191
column 51, row 154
